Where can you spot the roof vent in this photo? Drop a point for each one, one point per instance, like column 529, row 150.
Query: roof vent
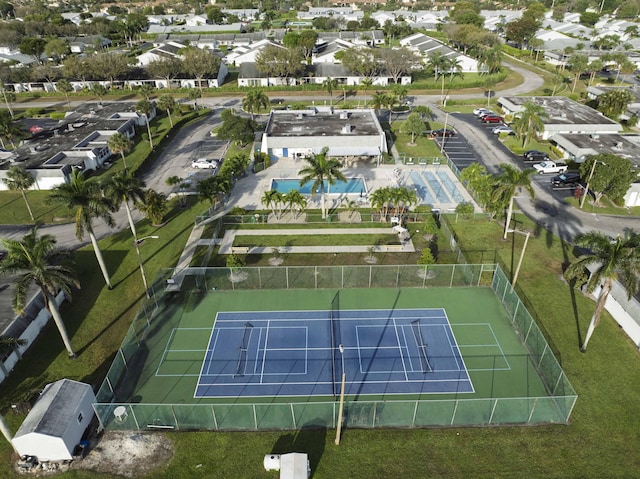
column 299, row 116
column 618, row 145
column 594, row 136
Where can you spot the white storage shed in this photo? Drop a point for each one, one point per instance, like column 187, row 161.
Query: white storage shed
column 55, row 425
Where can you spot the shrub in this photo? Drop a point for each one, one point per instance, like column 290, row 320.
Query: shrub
column 234, row 261
column 237, row 211
column 426, row 257
column 57, row 115
column 465, row 208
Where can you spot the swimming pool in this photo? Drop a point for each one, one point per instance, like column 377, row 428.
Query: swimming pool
column 352, row 185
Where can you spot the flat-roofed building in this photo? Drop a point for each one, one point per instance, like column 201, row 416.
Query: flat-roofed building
column 564, row 116
column 347, row 133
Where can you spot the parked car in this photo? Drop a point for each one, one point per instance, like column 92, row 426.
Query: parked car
column 548, row 167
column 482, row 114
column 492, row 119
column 502, row 129
column 565, row 180
column 534, row 156
column 481, row 111
column 441, row 132
column 204, row 163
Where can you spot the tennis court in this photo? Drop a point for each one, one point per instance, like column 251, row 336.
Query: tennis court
column 274, row 359
column 302, row 353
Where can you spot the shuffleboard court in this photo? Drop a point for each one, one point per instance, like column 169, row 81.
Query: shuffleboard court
column 293, row 353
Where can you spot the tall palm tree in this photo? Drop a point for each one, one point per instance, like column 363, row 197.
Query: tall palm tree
column 366, row 84
column 507, row 185
column 40, row 262
column 610, row 260
column 529, row 121
column 271, row 199
column 21, row 180
column 154, row 206
column 121, row 188
column 329, row 84
column 296, row 201
column 147, row 91
column 321, row 168
column 65, row 87
column 146, row 108
column 380, row 199
column 255, row 101
column 8, row 130
column 86, row 198
column 5, row 430
column 168, row 104
column 120, row 143
column 438, row 62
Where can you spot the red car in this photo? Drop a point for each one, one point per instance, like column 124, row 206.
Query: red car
column 492, row 119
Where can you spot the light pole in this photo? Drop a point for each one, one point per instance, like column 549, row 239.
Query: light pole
column 586, row 190
column 137, row 242
column 340, row 410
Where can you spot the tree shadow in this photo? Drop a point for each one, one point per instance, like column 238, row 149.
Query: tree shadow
column 311, row 439
column 572, row 289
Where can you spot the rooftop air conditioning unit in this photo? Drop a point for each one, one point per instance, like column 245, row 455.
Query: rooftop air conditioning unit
column 346, row 128
column 594, row 136
column 344, row 115
column 299, row 116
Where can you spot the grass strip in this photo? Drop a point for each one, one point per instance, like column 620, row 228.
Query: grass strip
column 316, row 240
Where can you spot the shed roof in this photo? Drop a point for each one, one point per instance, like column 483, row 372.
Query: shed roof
column 51, row 414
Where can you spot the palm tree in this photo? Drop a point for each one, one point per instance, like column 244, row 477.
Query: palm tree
column 120, row 143
column 99, row 90
column 270, row 199
column 529, row 121
column 8, row 96
column 8, row 130
column 168, row 104
column 65, row 87
column 296, row 200
column 610, row 260
column 507, row 185
column 5, row 430
column 147, row 91
column 330, row 84
column 146, row 108
column 321, row 169
column 255, row 101
column 154, row 206
column 40, row 262
column 380, row 199
column 121, row 188
column 378, row 100
column 20, row 179
column 438, row 62
column 366, row 84
column 86, row 198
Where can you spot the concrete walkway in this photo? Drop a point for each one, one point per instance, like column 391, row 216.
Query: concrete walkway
column 226, row 245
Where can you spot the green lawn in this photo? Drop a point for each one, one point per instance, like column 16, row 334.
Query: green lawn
column 316, row 240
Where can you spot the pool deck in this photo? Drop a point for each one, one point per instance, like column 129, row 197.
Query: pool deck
column 248, row 191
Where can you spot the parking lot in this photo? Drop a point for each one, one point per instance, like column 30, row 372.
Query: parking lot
column 462, row 154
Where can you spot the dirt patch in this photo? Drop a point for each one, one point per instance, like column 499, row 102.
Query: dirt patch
column 127, row 453
column 276, row 261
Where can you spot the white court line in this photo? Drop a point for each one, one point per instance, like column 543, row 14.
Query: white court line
column 404, row 367
column 164, row 353
column 205, row 357
column 455, row 341
column 215, row 342
column 406, row 343
column 264, row 356
column 255, row 366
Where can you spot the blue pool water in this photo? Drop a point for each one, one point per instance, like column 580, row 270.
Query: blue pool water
column 352, row 185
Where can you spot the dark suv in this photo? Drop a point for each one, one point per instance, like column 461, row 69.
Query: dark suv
column 565, row 180
column 535, row 156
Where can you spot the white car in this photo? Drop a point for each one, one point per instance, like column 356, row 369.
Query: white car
column 502, row 129
column 204, row 163
column 480, row 111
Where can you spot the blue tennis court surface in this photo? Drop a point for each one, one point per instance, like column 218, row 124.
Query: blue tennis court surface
column 302, row 353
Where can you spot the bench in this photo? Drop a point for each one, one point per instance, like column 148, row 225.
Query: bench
column 240, row 250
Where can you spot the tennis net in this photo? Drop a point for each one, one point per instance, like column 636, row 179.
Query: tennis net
column 335, row 339
column 422, row 347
